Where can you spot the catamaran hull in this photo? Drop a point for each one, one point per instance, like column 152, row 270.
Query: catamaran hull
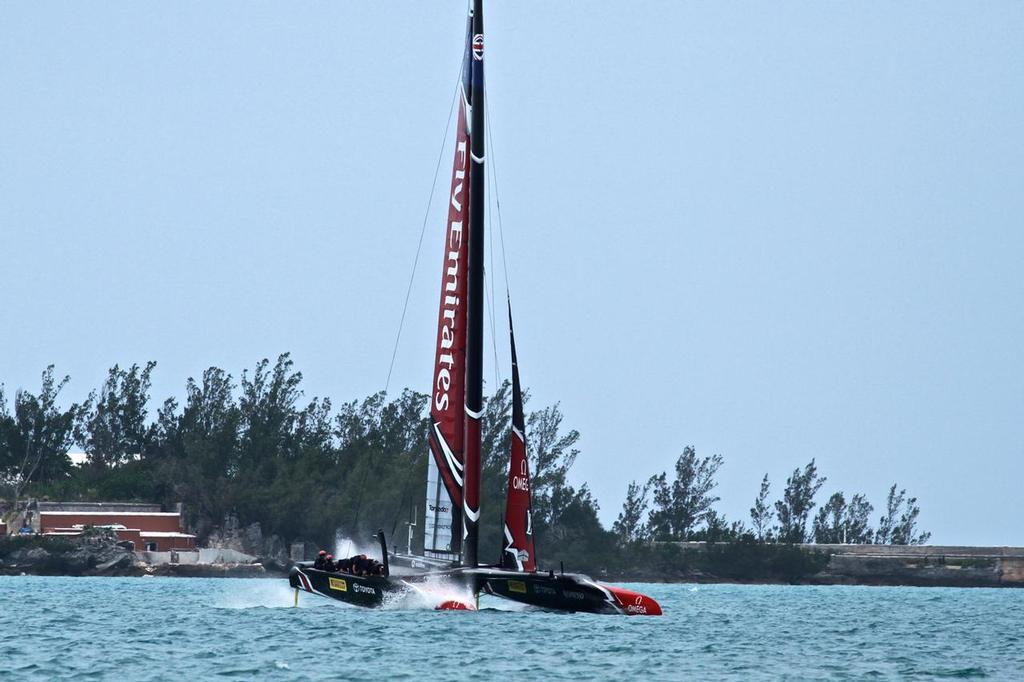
column 570, row 592
column 564, row 592
column 369, row 592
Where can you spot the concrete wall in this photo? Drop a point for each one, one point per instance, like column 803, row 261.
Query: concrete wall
column 924, row 565
column 921, row 565
column 97, row 506
column 198, row 556
column 224, row 556
column 918, row 550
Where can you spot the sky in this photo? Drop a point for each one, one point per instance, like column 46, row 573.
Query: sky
column 774, row 231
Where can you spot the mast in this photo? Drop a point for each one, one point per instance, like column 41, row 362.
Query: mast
column 475, row 341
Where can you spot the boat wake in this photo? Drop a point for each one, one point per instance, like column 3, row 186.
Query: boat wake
column 438, row 593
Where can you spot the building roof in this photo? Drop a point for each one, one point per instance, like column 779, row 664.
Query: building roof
column 106, row 513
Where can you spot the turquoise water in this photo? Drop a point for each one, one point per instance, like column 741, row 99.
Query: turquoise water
column 161, row 628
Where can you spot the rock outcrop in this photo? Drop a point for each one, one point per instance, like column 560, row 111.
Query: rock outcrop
column 89, row 554
column 270, row 550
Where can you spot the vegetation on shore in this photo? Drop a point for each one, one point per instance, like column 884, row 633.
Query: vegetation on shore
column 255, row 450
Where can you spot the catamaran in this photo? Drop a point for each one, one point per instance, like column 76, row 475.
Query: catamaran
column 452, row 510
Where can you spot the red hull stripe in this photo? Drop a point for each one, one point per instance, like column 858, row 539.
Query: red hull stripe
column 633, row 603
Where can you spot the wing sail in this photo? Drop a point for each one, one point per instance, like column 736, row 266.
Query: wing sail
column 445, row 475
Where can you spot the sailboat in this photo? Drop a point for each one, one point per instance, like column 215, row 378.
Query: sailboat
column 452, row 511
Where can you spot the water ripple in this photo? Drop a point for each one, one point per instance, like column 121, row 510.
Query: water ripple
column 126, row 628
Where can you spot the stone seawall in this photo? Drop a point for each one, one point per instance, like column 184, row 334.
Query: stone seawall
column 923, row 565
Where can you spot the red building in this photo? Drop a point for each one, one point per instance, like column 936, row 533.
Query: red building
column 150, row 531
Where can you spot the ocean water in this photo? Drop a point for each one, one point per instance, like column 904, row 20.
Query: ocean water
column 174, row 628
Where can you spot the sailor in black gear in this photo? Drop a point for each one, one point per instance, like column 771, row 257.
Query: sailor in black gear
column 344, row 565
column 319, row 563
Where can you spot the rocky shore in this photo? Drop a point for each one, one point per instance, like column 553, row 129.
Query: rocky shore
column 934, row 566
column 103, row 556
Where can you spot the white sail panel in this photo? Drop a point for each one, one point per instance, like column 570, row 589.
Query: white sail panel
column 437, row 527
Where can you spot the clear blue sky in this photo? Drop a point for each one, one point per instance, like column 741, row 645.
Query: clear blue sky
column 776, row 231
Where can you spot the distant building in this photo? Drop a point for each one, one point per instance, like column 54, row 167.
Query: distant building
column 145, row 526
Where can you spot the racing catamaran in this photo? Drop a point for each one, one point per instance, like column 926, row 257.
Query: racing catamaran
column 452, row 510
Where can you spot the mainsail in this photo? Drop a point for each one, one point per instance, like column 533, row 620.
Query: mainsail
column 445, row 472
column 518, row 550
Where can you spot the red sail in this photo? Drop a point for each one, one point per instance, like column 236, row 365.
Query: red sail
column 519, row 552
column 443, row 526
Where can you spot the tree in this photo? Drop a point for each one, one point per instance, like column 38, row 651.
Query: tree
column 192, row 451
column 575, row 532
column 797, row 502
column 37, row 436
column 629, row 527
column 718, row 529
column 858, row 512
column 898, row 526
column 839, row 521
column 552, row 453
column 828, row 524
column 681, row 506
column 114, row 429
column 883, row 536
column 761, row 513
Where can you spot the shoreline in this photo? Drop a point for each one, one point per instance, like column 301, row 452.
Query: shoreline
column 666, row 563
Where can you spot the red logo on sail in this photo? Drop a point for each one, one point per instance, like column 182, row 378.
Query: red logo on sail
column 478, row 46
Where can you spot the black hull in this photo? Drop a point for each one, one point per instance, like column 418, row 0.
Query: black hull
column 571, row 592
column 367, row 591
column 558, row 593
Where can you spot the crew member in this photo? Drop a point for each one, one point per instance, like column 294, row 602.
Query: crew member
column 319, row 563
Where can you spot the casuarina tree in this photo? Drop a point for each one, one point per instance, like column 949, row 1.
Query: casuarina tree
column 629, row 527
column 898, row 526
column 797, row 502
column 35, row 438
column 680, row 506
column 114, row 430
column 761, row 513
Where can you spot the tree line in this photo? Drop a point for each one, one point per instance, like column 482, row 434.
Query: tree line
column 254, row 449
column 682, row 508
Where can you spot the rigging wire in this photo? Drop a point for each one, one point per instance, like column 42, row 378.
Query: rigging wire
column 412, row 278
column 423, row 230
column 490, row 248
column 497, row 198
